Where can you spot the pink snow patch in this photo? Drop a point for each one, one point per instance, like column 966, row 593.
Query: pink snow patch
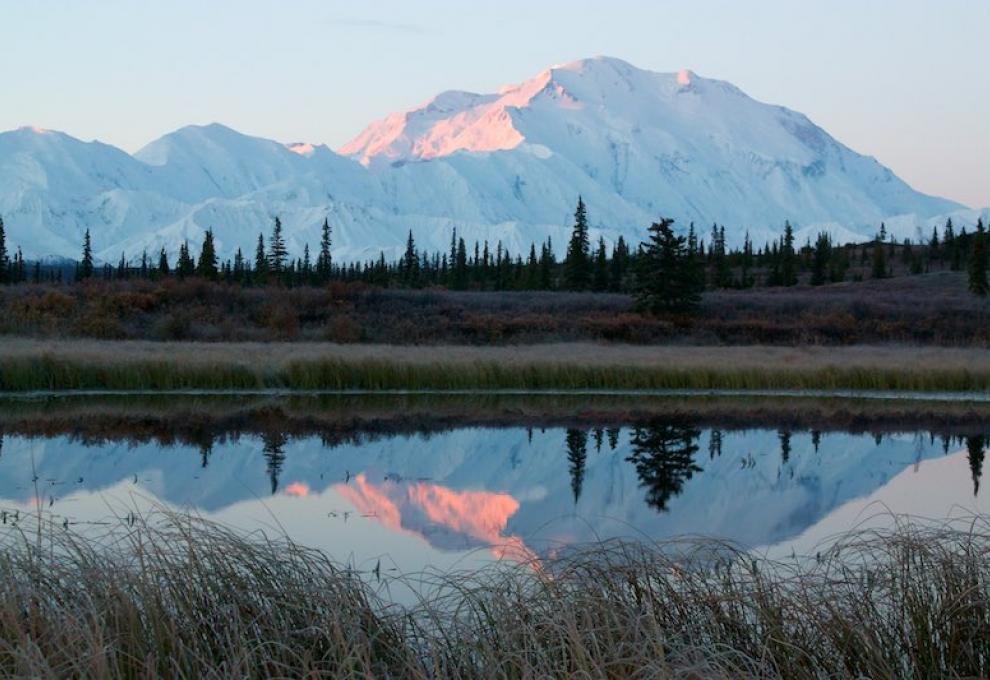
column 297, row 489
column 684, row 77
column 301, row 148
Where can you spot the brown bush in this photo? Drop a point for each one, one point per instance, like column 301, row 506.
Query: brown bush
column 342, row 329
column 281, row 319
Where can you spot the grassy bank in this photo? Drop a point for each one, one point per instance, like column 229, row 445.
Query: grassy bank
column 182, row 598
column 75, row 365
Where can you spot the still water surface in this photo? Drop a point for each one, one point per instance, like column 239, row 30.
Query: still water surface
column 463, row 497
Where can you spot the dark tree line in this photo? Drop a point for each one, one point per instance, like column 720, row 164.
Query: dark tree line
column 668, row 271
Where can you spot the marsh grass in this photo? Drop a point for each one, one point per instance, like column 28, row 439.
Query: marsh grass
column 31, row 365
column 178, row 596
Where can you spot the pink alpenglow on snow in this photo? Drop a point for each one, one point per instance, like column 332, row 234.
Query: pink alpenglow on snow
column 297, row 489
column 301, row 148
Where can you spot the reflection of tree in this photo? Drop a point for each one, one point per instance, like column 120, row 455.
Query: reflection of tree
column 599, row 439
column 715, row 444
column 785, row 446
column 816, row 439
column 274, row 445
column 204, row 454
column 613, row 438
column 577, row 455
column 663, row 454
column 1, row 442
column 976, row 450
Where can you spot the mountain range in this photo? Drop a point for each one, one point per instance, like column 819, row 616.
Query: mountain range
column 507, row 166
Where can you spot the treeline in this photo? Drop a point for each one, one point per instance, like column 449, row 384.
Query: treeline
column 667, row 271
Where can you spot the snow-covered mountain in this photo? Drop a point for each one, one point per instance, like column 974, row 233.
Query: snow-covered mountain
column 500, row 167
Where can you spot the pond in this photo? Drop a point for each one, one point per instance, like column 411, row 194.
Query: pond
column 457, row 491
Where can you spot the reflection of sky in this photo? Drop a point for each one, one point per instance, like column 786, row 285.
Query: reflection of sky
column 459, row 498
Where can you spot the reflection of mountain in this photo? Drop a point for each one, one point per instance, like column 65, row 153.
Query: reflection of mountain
column 476, row 487
column 449, row 519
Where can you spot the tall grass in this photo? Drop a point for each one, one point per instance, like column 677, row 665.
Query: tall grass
column 159, row 366
column 181, row 597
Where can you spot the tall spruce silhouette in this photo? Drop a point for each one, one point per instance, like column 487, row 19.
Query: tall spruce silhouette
column 577, row 265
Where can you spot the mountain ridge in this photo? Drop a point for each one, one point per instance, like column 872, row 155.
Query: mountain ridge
column 505, row 166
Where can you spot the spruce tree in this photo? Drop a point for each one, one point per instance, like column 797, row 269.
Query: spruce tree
column 85, row 269
column 547, row 262
column 18, row 272
column 163, row 268
column 410, row 262
column 185, row 265
column 577, row 269
column 207, row 266
column 746, row 279
column 721, row 272
column 460, row 267
column 306, row 266
column 4, row 262
column 452, row 258
column 951, row 243
column 821, row 256
column 667, row 276
column 260, row 261
column 788, row 261
column 618, row 265
column 277, row 252
column 324, row 262
column 238, row 269
column 978, row 261
column 933, row 244
column 879, row 267
column 599, row 281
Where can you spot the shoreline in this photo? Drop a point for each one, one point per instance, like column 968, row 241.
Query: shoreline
column 156, row 415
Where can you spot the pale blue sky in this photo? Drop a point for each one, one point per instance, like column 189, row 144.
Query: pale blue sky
column 906, row 81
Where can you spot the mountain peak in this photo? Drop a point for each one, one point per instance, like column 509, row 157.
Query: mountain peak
column 457, row 121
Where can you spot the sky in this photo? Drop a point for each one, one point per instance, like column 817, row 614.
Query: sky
column 906, row 81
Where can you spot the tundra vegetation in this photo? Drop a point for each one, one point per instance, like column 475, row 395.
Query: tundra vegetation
column 145, row 599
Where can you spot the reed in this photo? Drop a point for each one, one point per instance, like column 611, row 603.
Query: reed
column 178, row 596
column 26, row 366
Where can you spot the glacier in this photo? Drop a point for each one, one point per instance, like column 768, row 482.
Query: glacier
column 503, row 167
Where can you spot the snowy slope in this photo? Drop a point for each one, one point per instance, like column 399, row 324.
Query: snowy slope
column 504, row 167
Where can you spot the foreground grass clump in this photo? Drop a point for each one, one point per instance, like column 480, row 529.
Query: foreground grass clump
column 180, row 597
column 68, row 365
